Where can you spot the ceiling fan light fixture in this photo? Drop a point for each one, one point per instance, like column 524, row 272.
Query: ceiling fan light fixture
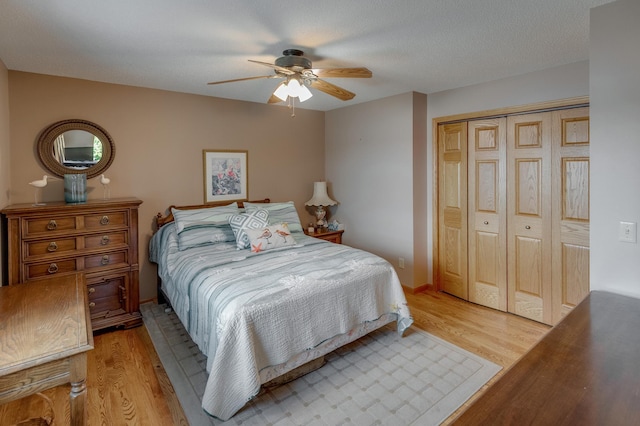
column 294, row 87
column 282, row 92
column 304, row 93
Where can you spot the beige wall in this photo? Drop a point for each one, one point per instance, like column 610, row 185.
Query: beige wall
column 376, row 162
column 159, row 138
column 4, row 153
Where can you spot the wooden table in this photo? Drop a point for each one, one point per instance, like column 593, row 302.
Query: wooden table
column 585, row 371
column 45, row 333
column 325, row 234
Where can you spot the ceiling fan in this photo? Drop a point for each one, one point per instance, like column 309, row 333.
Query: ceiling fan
column 297, row 73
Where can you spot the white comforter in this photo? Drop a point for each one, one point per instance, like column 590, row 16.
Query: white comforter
column 248, row 311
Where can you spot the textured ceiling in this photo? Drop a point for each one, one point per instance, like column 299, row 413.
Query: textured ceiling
column 409, row 45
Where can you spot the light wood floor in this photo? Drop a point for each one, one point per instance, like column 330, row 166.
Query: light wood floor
column 128, row 386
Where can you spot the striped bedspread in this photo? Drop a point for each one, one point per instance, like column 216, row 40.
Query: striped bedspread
column 248, row 311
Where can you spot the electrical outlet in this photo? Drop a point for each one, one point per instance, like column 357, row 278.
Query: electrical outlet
column 628, row 232
column 401, row 262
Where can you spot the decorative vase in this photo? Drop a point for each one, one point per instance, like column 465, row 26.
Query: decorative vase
column 75, row 188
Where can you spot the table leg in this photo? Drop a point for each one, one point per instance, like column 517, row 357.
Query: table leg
column 78, row 394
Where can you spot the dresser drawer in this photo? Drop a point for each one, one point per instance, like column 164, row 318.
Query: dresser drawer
column 105, row 220
column 48, row 225
column 107, row 297
column 106, row 240
column 102, row 260
column 50, row 246
column 91, row 262
column 44, row 269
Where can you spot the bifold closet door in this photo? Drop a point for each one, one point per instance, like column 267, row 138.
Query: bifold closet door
column 452, row 209
column 571, row 210
column 529, row 170
column 487, row 212
column 513, row 218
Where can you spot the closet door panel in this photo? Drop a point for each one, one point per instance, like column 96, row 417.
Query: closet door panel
column 452, row 209
column 529, row 216
column 487, row 213
column 571, row 210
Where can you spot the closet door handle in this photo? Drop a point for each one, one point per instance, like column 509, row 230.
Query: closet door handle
column 527, row 227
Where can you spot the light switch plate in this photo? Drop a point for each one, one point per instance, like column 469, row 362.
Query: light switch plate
column 628, row 232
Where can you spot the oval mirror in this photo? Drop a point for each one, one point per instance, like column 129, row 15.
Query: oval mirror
column 75, row 146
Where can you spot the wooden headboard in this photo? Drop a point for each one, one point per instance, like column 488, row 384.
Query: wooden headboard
column 163, row 220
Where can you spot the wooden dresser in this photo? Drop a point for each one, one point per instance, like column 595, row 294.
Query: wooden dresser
column 99, row 238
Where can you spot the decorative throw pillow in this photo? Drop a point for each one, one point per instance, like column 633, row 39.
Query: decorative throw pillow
column 279, row 212
column 240, row 223
column 197, row 227
column 270, row 237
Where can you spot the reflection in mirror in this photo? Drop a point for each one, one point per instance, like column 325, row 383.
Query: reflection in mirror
column 77, row 149
column 75, row 146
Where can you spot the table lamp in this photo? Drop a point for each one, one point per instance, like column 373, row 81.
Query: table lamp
column 320, row 200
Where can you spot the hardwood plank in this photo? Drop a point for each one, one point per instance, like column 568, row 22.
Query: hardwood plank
column 126, row 384
column 127, row 381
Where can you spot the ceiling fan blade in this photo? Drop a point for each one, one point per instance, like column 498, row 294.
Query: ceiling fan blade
column 343, row 73
column 274, row 66
column 243, row 79
column 332, row 89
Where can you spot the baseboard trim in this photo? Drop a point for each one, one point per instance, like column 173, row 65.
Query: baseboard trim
column 419, row 289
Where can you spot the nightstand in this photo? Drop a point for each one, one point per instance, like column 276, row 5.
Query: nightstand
column 332, row 236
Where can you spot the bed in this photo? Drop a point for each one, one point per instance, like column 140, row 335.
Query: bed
column 262, row 311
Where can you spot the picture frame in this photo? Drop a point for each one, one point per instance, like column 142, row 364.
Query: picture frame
column 226, row 175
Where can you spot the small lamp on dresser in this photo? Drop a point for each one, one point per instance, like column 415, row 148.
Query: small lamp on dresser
column 320, row 200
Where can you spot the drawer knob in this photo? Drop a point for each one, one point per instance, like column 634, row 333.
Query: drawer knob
column 92, row 304
column 104, row 220
column 527, row 227
column 105, row 240
column 105, row 259
column 486, row 222
column 92, row 290
column 53, row 268
column 52, row 246
column 52, row 225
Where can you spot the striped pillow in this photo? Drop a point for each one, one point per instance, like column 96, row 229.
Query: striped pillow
column 199, row 227
column 279, row 213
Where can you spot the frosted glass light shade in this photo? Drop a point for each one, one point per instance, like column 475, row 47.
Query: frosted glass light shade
column 282, row 92
column 304, row 93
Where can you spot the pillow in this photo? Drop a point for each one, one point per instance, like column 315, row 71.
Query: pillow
column 198, row 227
column 278, row 213
column 270, row 237
column 240, row 223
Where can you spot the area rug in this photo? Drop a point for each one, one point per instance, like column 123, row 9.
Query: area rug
column 380, row 379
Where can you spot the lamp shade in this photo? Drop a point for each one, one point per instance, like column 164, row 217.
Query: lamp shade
column 320, row 197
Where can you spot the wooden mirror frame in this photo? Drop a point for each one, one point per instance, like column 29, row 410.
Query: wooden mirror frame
column 50, row 134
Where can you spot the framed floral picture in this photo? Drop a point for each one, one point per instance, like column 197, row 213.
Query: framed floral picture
column 226, row 176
